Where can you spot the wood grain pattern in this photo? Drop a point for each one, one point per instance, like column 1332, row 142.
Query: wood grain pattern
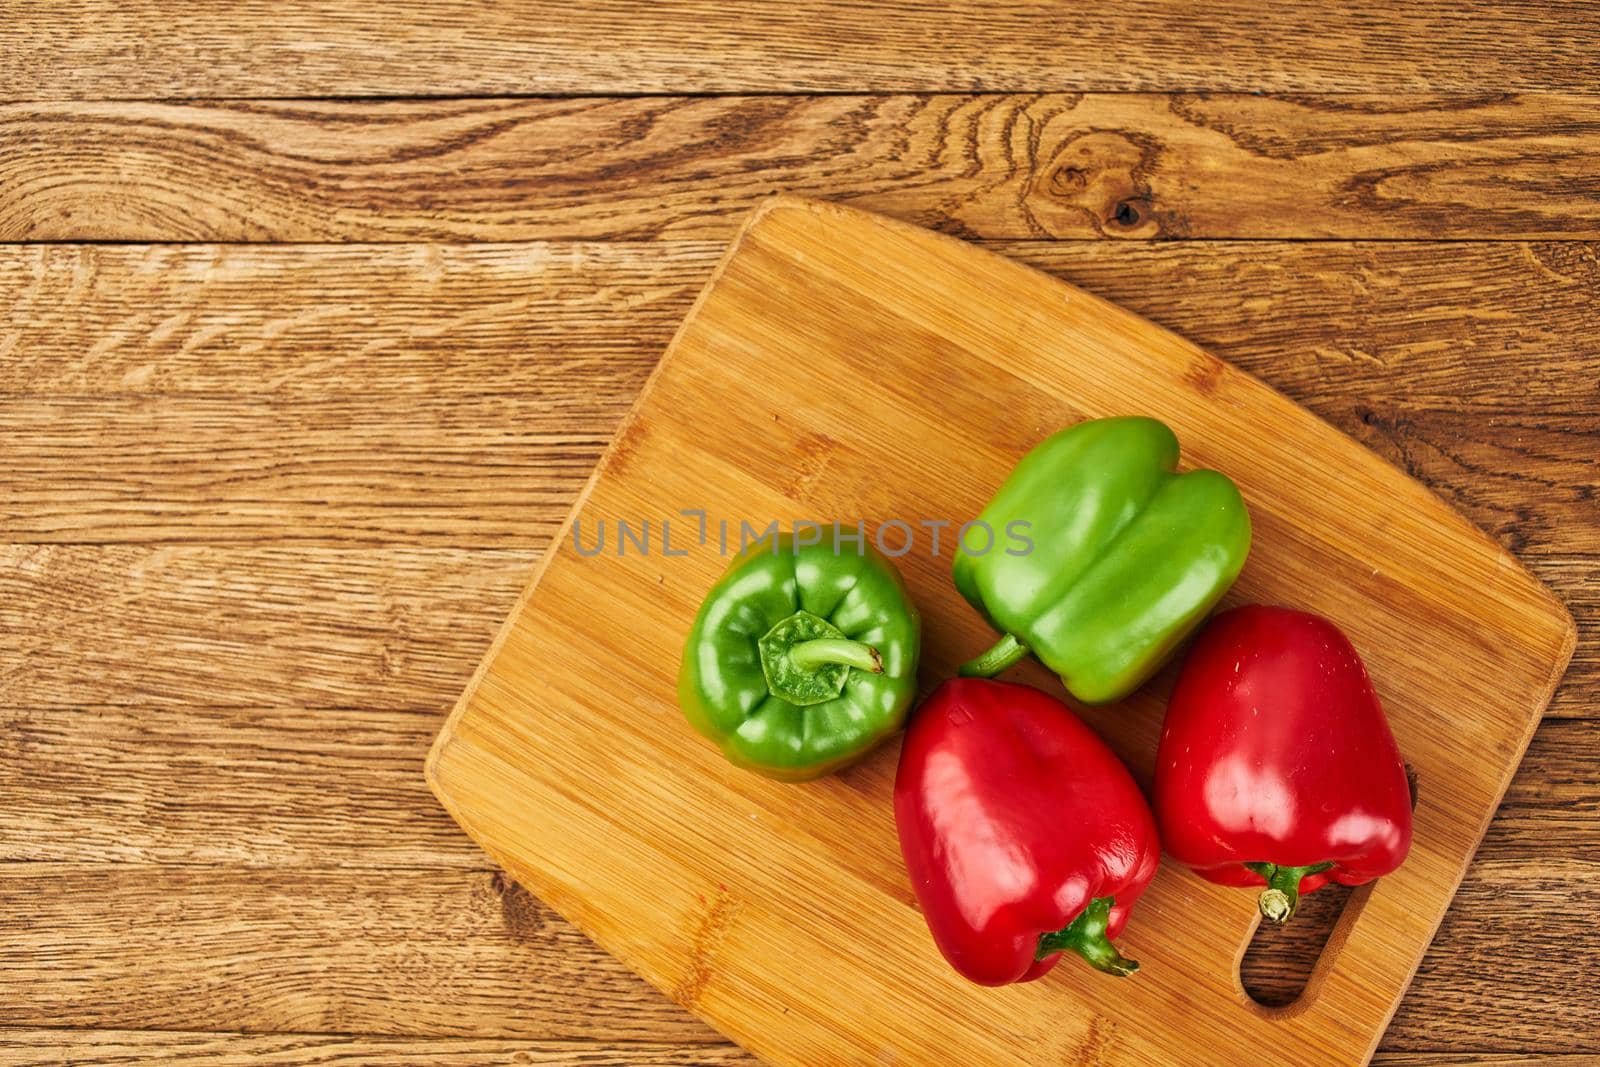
column 394, row 628
column 351, row 395
column 484, row 470
column 993, row 166
column 318, row 788
column 1552, row 806
column 434, row 951
column 284, row 789
column 577, row 325
column 89, row 1048
column 31, row 1047
column 103, row 49
column 1557, row 891
column 426, row 953
column 234, row 787
column 1497, row 328
column 1481, row 1059
column 837, row 296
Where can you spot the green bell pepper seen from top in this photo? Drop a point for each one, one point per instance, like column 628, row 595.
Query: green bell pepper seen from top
column 1127, row 556
column 802, row 657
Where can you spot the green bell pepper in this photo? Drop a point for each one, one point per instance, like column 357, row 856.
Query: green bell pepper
column 1127, row 556
column 802, row 657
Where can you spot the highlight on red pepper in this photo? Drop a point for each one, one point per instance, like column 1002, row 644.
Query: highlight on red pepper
column 1276, row 765
column 1024, row 835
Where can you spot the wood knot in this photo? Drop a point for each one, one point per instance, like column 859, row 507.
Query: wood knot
column 1127, row 213
column 708, row 937
column 1066, row 181
column 1098, row 1042
column 1205, row 374
column 809, row 458
column 1098, row 180
column 521, row 913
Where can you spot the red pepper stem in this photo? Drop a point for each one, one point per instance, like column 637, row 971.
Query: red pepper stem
column 1282, row 895
column 1086, row 935
column 809, row 655
column 1006, row 651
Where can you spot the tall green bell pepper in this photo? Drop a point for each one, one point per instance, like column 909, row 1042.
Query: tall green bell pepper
column 802, row 657
column 1127, row 556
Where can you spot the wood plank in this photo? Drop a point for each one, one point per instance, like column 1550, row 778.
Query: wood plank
column 467, row 954
column 482, row 470
column 562, row 322
column 1552, row 807
column 33, row 1047
column 1323, row 322
column 410, row 48
column 1487, row 326
column 37, row 1047
column 236, row 787
column 1055, row 165
column 325, row 787
column 396, row 628
column 453, row 953
column 1382, row 340
column 1528, row 927
column 1532, row 1058
column 255, row 389
column 317, row 787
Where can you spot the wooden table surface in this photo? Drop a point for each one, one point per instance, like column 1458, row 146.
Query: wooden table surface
column 314, row 318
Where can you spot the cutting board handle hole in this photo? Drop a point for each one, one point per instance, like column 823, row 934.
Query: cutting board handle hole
column 1282, row 967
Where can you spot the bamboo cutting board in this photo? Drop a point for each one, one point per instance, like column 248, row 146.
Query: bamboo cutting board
column 842, row 366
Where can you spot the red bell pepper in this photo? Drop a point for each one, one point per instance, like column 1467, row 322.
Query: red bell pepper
column 1024, row 835
column 1276, row 765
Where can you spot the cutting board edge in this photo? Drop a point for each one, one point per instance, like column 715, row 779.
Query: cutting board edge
column 1536, row 717
column 469, row 692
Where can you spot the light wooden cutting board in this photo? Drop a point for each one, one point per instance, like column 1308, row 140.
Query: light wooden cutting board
column 843, row 366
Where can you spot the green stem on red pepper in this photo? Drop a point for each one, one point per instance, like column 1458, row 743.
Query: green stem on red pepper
column 1282, row 895
column 971, row 786
column 1086, row 935
column 1279, row 698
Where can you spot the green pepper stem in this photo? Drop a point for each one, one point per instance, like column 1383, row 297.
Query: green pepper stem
column 809, row 655
column 1006, row 651
column 1086, row 935
column 1282, row 895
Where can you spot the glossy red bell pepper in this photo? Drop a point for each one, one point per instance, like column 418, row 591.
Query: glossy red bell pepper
column 1024, row 834
column 1276, row 765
